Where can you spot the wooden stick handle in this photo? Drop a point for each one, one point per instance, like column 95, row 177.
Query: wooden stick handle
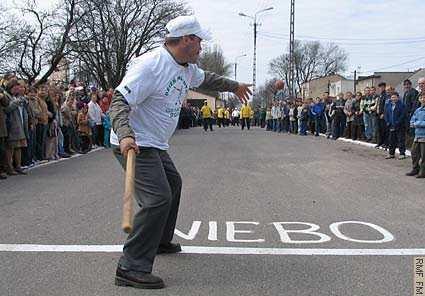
column 127, row 210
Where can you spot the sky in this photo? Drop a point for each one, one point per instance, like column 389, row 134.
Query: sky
column 378, row 35
column 382, row 35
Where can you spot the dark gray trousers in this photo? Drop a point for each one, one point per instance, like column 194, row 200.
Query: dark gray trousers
column 418, row 156
column 157, row 191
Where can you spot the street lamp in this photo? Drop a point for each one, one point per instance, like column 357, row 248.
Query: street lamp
column 236, row 62
column 254, row 63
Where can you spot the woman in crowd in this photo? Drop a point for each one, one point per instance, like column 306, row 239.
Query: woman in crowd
column 42, row 124
column 52, row 127
column 84, row 129
column 67, row 123
column 95, row 116
column 17, row 125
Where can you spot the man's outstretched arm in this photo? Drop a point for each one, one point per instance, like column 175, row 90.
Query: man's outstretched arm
column 216, row 82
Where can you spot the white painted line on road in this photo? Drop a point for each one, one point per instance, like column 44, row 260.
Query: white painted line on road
column 216, row 250
column 370, row 145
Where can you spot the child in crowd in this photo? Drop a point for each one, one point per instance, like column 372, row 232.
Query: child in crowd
column 292, row 118
column 395, row 118
column 299, row 112
column 269, row 119
column 106, row 122
column 304, row 119
column 84, row 129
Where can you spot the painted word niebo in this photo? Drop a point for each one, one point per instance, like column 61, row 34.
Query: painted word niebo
column 289, row 232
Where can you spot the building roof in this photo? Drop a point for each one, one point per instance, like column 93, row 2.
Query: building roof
column 325, row 78
column 413, row 78
column 380, row 74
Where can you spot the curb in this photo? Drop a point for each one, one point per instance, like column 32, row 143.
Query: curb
column 63, row 159
column 370, row 145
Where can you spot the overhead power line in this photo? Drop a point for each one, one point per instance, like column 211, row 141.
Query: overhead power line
column 397, row 65
column 417, row 38
column 337, row 41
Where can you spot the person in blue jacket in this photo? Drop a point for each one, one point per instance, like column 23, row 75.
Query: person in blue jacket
column 418, row 148
column 395, row 116
column 317, row 112
column 107, row 125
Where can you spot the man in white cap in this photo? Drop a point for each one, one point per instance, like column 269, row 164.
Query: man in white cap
column 145, row 110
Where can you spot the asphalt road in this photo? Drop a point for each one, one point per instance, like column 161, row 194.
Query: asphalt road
column 229, row 175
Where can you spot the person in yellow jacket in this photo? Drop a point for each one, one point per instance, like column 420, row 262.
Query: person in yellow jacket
column 220, row 116
column 246, row 116
column 206, row 113
column 227, row 117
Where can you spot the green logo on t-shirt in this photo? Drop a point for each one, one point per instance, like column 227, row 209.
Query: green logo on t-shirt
column 180, row 87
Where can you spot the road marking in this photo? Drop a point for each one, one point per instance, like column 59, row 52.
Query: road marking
column 370, row 145
column 216, row 250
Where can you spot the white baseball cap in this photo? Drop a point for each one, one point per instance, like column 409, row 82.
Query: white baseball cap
column 187, row 25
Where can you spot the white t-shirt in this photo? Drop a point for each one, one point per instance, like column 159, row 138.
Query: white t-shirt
column 154, row 87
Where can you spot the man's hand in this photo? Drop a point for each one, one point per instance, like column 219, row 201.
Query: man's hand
column 127, row 144
column 243, row 92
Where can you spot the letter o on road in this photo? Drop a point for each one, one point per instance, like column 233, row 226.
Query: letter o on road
column 334, row 227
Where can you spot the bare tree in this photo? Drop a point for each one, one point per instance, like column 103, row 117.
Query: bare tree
column 212, row 59
column 7, row 37
column 113, row 32
column 265, row 93
column 37, row 40
column 312, row 60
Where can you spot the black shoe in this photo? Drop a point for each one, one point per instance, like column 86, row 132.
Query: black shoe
column 11, row 173
column 137, row 279
column 412, row 173
column 169, row 248
column 21, row 171
column 421, row 176
column 3, row 176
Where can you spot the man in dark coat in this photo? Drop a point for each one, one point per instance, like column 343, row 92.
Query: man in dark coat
column 339, row 118
column 382, row 134
column 4, row 102
column 410, row 99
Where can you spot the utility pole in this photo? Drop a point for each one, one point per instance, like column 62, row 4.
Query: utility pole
column 355, row 78
column 236, row 64
column 291, row 75
column 254, row 63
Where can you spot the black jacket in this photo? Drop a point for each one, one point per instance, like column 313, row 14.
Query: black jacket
column 382, row 99
column 410, row 99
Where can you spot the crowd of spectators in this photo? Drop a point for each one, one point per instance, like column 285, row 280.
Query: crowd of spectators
column 375, row 115
column 46, row 122
column 381, row 116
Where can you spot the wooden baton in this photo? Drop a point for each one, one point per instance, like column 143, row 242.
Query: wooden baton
column 127, row 210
